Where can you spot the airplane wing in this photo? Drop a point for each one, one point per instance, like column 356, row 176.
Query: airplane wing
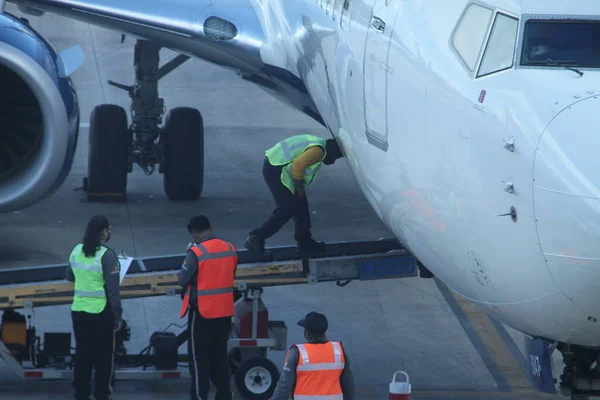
column 227, row 33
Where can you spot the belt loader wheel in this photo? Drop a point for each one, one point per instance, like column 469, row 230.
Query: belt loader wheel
column 183, row 140
column 256, row 378
column 108, row 154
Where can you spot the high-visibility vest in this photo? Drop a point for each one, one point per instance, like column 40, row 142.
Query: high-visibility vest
column 318, row 371
column 285, row 152
column 217, row 262
column 89, row 294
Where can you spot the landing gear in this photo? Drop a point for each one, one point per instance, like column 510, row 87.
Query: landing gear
column 256, row 378
column 177, row 148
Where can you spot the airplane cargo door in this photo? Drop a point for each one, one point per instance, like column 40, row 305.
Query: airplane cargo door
column 376, row 71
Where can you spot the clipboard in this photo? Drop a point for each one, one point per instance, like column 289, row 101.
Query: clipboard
column 125, row 264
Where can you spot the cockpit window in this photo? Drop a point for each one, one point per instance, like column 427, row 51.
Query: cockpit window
column 561, row 43
column 500, row 48
column 470, row 33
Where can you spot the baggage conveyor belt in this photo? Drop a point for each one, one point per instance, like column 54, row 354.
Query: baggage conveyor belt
column 155, row 276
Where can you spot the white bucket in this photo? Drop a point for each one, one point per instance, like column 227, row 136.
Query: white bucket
column 400, row 387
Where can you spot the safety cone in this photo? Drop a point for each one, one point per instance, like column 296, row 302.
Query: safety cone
column 399, row 390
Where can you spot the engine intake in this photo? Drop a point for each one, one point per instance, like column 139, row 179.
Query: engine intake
column 39, row 117
column 22, row 123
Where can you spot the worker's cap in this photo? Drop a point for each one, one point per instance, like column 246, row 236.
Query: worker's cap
column 315, row 323
column 198, row 223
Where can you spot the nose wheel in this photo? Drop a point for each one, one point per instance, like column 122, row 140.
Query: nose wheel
column 256, row 378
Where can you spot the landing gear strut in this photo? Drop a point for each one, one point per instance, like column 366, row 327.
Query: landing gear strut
column 177, row 147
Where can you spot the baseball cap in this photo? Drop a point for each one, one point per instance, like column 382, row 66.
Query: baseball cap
column 198, row 223
column 315, row 323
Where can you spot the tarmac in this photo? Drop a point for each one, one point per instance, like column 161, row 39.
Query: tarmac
column 449, row 349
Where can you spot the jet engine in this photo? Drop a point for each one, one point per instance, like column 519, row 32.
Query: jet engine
column 39, row 116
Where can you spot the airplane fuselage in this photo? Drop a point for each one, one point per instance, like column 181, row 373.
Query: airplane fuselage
column 489, row 180
column 440, row 154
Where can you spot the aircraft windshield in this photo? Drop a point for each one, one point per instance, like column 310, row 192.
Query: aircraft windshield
column 561, row 42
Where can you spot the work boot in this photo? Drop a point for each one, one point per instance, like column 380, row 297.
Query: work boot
column 257, row 246
column 311, row 247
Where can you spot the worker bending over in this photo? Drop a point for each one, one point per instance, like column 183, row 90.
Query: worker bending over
column 316, row 369
column 207, row 276
column 288, row 168
column 96, row 309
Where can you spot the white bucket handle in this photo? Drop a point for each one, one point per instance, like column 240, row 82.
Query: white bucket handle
column 399, row 372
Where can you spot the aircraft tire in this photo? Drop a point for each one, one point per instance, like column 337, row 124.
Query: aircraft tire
column 183, row 140
column 108, row 153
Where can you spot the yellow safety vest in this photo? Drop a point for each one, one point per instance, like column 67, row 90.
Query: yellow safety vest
column 89, row 295
column 285, row 152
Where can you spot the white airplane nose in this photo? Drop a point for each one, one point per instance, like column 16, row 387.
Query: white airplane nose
column 567, row 202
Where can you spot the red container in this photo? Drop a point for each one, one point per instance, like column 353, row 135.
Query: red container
column 243, row 320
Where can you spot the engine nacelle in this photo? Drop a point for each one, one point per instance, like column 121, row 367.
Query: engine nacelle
column 39, row 116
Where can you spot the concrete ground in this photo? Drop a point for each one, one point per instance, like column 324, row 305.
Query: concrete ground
column 413, row 325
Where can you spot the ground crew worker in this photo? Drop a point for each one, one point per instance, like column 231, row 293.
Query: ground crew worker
column 288, row 168
column 207, row 276
column 316, row 369
column 96, row 309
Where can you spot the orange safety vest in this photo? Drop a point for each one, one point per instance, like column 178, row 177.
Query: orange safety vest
column 318, row 371
column 217, row 263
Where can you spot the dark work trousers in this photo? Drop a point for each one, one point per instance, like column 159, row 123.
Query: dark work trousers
column 288, row 206
column 207, row 348
column 94, row 347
